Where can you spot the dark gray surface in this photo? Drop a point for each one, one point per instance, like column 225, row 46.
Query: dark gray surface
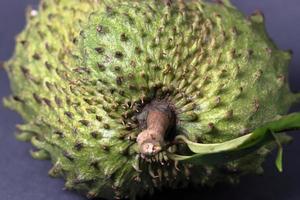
column 21, row 177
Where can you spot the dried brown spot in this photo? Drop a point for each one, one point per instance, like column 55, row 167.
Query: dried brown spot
column 68, row 156
column 119, row 55
column 69, row 114
column 36, row 56
column 84, row 122
column 100, row 29
column 106, row 126
column 37, row 98
column 100, row 66
column 119, row 80
column 78, row 146
column 47, row 102
column 100, row 50
column 123, row 37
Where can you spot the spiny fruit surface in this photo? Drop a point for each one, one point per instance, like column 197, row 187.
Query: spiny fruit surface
column 85, row 74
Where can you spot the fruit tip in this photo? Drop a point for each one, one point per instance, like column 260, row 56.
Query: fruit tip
column 168, row 2
column 1, row 64
column 224, row 3
column 31, row 11
column 40, row 154
column 6, row 102
column 258, row 12
column 290, row 52
column 228, row 3
column 218, row 1
column 257, row 16
column 297, row 97
column 23, row 137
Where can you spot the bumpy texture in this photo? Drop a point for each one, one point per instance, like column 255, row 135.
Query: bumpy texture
column 84, row 70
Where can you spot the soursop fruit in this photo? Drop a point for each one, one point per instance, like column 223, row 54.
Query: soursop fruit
column 126, row 97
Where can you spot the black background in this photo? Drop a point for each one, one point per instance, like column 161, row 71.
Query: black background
column 21, row 177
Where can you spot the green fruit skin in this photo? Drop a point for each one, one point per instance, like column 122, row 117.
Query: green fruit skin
column 83, row 70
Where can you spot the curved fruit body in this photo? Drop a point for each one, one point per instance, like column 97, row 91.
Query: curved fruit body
column 86, row 76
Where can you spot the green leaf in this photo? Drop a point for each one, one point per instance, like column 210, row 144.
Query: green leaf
column 279, row 154
column 214, row 148
column 279, row 159
column 239, row 147
column 227, row 3
column 210, row 158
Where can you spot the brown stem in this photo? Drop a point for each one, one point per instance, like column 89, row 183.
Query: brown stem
column 150, row 141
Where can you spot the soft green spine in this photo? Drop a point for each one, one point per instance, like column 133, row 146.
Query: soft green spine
column 72, row 86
